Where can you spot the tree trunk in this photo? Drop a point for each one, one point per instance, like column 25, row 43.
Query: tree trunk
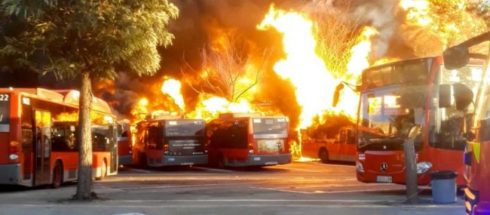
column 410, row 171
column 84, row 186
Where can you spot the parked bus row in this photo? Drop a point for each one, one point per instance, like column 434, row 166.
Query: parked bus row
column 38, row 137
column 232, row 140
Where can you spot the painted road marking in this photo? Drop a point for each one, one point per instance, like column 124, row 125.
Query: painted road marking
column 288, row 190
column 130, row 214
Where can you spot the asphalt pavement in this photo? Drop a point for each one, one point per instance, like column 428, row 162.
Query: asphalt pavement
column 297, row 188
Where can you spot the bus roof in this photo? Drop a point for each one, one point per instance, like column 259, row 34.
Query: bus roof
column 72, row 97
column 245, row 115
column 69, row 97
column 399, row 62
column 41, row 93
column 405, row 61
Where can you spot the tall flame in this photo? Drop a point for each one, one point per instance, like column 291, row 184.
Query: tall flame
column 360, row 53
column 140, row 111
column 210, row 107
column 307, row 72
column 172, row 88
column 358, row 62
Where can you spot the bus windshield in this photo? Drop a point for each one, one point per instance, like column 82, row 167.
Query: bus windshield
column 278, row 126
column 388, row 115
column 182, row 128
column 4, row 112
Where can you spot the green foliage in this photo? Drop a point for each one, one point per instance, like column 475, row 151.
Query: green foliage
column 98, row 36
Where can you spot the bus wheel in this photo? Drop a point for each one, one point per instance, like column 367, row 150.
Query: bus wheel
column 221, row 162
column 57, row 175
column 143, row 162
column 323, row 155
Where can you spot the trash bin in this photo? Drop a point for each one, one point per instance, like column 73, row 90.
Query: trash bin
column 444, row 187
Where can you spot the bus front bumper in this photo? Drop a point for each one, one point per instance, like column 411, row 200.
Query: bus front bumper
column 260, row 160
column 10, row 174
column 125, row 159
column 184, row 160
column 390, row 177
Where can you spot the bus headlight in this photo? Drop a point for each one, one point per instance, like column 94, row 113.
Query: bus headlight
column 359, row 167
column 423, row 167
column 13, row 156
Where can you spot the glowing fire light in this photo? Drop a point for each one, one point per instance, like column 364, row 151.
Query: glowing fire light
column 432, row 25
column 172, row 88
column 211, row 106
column 141, row 109
column 360, row 52
column 302, row 66
column 417, row 11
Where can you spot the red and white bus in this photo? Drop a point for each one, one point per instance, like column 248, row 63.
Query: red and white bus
column 421, row 93
column 248, row 140
column 38, row 144
column 170, row 141
column 340, row 148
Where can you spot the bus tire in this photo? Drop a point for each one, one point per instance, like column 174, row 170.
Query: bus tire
column 323, row 155
column 142, row 160
column 57, row 175
column 221, row 162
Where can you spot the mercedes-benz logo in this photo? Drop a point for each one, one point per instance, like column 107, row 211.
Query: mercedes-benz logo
column 383, row 167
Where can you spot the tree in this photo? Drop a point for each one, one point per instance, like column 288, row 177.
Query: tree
column 88, row 40
column 228, row 68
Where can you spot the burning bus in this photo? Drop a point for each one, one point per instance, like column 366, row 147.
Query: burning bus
column 170, row 141
column 236, row 139
column 399, row 98
column 340, row 148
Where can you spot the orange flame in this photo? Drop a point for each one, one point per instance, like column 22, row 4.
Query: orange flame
column 140, row 111
column 360, row 53
column 313, row 83
column 210, row 107
column 172, row 88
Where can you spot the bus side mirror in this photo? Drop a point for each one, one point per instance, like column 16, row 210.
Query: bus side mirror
column 456, row 57
column 462, row 95
column 445, row 96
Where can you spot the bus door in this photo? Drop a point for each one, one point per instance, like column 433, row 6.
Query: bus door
column 113, row 148
column 349, row 147
column 42, row 147
column 340, row 146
